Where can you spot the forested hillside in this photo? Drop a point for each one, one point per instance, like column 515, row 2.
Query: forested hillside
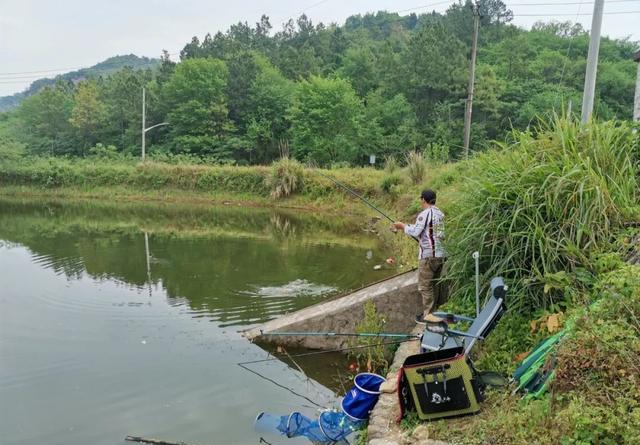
column 103, row 68
column 379, row 84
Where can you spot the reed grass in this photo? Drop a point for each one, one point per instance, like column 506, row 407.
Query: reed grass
column 539, row 207
column 285, row 178
column 416, row 167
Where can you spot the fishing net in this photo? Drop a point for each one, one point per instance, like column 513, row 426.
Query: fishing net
column 330, row 427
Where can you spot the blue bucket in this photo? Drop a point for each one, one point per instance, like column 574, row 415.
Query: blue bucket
column 360, row 399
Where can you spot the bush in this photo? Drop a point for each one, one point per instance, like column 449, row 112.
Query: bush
column 539, row 208
column 285, row 178
column 416, row 167
column 436, row 153
column 104, row 152
column 389, row 182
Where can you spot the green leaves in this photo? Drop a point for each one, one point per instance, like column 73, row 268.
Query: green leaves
column 327, row 121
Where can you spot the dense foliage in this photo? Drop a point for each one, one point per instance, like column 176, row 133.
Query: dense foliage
column 538, row 209
column 379, row 84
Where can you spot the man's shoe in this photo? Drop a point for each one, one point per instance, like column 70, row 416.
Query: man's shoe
column 430, row 318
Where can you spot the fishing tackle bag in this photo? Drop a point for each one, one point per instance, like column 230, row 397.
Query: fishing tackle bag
column 438, row 384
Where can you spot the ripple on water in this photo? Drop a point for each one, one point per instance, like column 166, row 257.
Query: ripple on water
column 295, row 288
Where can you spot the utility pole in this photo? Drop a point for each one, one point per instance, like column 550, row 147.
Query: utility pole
column 472, row 79
column 592, row 61
column 144, row 123
column 636, row 102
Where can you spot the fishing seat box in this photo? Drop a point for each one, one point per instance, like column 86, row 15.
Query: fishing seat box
column 439, row 384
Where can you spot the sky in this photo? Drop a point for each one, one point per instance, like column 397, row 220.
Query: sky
column 59, row 36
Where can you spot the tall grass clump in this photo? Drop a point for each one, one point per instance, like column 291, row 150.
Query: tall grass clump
column 285, row 178
column 537, row 209
column 391, row 165
column 416, row 167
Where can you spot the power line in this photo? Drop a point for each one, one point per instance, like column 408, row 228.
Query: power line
column 582, row 13
column 564, row 65
column 66, row 70
column 568, row 3
column 423, row 6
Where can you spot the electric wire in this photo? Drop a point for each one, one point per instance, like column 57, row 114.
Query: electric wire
column 39, row 73
column 564, row 65
column 581, row 14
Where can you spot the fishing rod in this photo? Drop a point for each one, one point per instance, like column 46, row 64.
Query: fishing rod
column 360, row 197
column 354, row 193
column 339, row 334
column 244, row 366
column 328, row 351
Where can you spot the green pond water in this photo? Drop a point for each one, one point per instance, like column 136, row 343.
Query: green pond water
column 123, row 320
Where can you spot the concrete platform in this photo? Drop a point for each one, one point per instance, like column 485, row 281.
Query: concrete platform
column 395, row 298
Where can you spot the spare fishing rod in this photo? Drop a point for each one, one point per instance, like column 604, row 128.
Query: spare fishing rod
column 339, row 334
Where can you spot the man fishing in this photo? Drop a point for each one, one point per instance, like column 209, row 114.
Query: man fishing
column 429, row 231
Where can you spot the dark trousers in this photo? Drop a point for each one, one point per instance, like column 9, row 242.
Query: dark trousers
column 433, row 291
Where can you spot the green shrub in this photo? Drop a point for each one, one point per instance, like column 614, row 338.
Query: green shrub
column 389, row 182
column 373, row 358
column 285, row 178
column 436, row 153
column 416, row 167
column 104, row 152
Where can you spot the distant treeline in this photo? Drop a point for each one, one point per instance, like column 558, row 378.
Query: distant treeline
column 380, row 84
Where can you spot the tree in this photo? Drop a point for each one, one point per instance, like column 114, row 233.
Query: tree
column 44, row 119
column 88, row 114
column 359, row 66
column 435, row 69
column 123, row 101
column 270, row 95
column 396, row 122
column 199, row 116
column 327, row 121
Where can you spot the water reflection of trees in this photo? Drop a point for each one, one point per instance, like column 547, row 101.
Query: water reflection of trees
column 215, row 273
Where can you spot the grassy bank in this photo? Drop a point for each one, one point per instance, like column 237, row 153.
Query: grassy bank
column 154, row 180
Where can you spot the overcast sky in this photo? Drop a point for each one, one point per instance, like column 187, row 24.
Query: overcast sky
column 38, row 35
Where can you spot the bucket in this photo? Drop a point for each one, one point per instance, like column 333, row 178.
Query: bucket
column 360, row 399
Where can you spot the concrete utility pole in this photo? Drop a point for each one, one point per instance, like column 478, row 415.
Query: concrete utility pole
column 636, row 102
column 144, row 124
column 592, row 61
column 472, row 79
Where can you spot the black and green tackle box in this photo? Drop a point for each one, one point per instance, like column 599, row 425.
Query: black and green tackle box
column 439, row 384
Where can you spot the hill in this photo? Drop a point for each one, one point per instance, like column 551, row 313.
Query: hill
column 105, row 67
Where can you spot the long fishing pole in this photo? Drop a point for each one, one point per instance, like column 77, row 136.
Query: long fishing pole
column 354, row 193
column 338, row 334
column 244, row 366
column 360, row 197
column 329, row 351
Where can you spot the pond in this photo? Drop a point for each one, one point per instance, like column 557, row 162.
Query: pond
column 123, row 320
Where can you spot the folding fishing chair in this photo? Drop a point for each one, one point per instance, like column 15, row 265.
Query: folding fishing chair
column 439, row 336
